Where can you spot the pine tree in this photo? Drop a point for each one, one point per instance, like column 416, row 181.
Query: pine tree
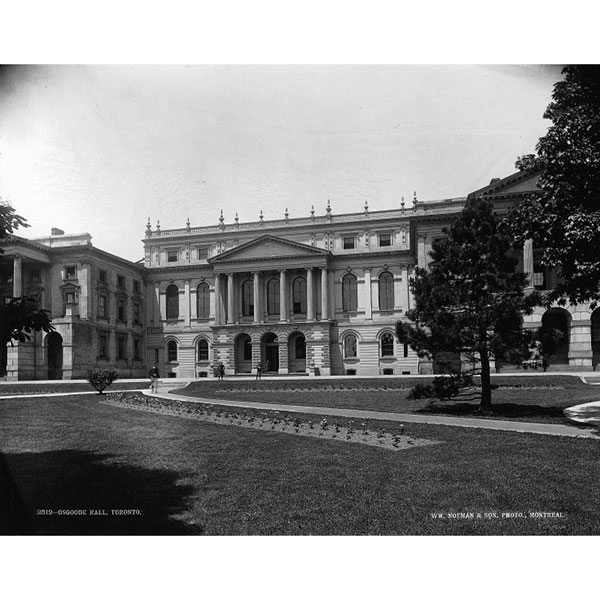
column 470, row 300
column 564, row 217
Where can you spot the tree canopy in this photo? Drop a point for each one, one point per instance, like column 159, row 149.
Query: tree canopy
column 9, row 220
column 564, row 217
column 470, row 300
column 20, row 316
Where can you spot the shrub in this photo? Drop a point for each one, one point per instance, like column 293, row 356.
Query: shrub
column 450, row 386
column 421, row 390
column 101, row 378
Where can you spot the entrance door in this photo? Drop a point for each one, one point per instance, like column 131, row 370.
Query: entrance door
column 272, row 357
column 55, row 356
column 270, row 353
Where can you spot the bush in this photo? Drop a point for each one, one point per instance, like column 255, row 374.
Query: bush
column 101, row 378
column 419, row 391
column 450, row 386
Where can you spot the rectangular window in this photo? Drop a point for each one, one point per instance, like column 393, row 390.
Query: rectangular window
column 156, row 355
column 348, row 243
column 102, row 276
column 171, row 255
column 385, row 239
column 136, row 286
column 121, row 309
column 202, row 253
column 136, row 314
column 71, row 273
column 103, row 346
column 121, row 347
column 70, row 297
column 35, row 276
column 121, row 282
column 137, row 345
column 102, row 306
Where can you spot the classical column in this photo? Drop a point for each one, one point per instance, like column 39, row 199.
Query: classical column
column 368, row 300
column 310, row 295
column 218, row 303
column 528, row 261
column 283, row 307
column 324, row 295
column 17, row 276
column 230, row 299
column 85, row 298
column 421, row 255
column 256, row 291
column 162, row 298
column 186, row 302
column 155, row 306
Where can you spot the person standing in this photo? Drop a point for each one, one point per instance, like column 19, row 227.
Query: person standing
column 154, row 377
column 258, row 371
column 221, row 371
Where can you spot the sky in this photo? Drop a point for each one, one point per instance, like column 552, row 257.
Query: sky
column 101, row 149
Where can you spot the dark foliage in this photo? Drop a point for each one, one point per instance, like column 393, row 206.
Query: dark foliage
column 20, row 317
column 470, row 300
column 564, row 217
column 101, row 378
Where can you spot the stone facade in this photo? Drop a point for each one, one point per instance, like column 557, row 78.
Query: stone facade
column 317, row 295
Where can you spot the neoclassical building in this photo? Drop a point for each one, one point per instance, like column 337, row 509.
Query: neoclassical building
column 319, row 295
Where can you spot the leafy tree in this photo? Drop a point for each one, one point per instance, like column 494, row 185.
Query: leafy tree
column 20, row 316
column 9, row 220
column 470, row 300
column 101, row 378
column 564, row 217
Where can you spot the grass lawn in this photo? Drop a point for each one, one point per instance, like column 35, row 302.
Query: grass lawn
column 540, row 399
column 190, row 477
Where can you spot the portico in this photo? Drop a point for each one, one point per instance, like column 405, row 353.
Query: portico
column 271, row 297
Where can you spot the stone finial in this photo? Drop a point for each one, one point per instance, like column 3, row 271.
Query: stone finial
column 157, row 226
column 286, row 215
column 221, row 218
column 312, row 212
column 328, row 210
column 261, row 216
column 187, row 224
column 237, row 220
column 148, row 228
column 366, row 209
column 402, row 204
column 415, row 201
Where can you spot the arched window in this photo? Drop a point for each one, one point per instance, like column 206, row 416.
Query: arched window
column 172, row 351
column 273, row 297
column 299, row 295
column 172, row 302
column 300, row 347
column 386, row 291
column 203, row 301
column 203, row 350
column 247, row 298
column 349, row 295
column 387, row 344
column 350, row 346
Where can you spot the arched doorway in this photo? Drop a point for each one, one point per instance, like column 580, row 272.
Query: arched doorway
column 554, row 335
column 270, row 353
column 297, row 353
column 243, row 353
column 54, row 343
column 596, row 338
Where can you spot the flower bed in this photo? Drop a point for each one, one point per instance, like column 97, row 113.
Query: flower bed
column 343, row 430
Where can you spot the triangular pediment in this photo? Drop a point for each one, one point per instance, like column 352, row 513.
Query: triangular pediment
column 269, row 247
column 514, row 185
